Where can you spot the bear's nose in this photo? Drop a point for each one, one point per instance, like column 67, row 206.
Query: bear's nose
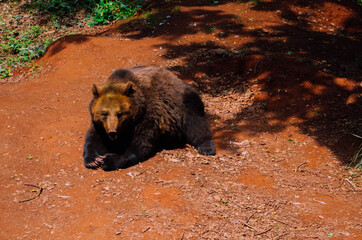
column 112, row 135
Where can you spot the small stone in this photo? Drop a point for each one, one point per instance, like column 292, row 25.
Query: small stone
column 217, row 198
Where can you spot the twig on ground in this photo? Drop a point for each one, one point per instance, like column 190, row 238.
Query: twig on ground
column 283, row 223
column 182, row 236
column 276, row 137
column 263, row 232
column 281, row 235
column 148, row 228
column 247, row 225
column 238, row 205
column 350, row 183
column 296, row 170
column 252, row 215
column 29, row 199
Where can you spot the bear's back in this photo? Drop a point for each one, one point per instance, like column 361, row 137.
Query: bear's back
column 149, row 79
column 155, row 82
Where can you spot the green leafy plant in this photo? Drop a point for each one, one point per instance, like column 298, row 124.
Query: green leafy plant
column 19, row 48
column 57, row 7
column 101, row 11
column 106, row 11
column 212, row 28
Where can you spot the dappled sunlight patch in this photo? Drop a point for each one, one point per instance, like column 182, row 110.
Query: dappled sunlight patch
column 354, row 98
column 346, row 84
column 316, row 89
column 262, row 96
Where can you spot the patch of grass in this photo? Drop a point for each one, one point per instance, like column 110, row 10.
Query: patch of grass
column 19, row 48
column 212, row 28
column 315, row 112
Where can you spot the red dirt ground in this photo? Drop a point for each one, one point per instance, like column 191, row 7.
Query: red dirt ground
column 281, row 82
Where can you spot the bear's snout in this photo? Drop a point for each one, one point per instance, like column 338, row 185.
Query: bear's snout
column 112, row 135
column 112, row 125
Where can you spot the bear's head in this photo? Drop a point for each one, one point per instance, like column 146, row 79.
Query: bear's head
column 114, row 107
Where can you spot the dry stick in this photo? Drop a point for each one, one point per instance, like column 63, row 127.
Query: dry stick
column 296, row 170
column 252, row 215
column 182, row 237
column 29, row 199
column 281, row 235
column 275, row 137
column 263, row 232
column 350, row 183
column 247, row 225
column 283, row 222
column 148, row 228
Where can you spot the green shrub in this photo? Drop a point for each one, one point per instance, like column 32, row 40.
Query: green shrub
column 20, row 48
column 56, row 7
column 106, row 11
column 102, row 11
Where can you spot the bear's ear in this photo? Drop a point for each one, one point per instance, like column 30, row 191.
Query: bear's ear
column 129, row 90
column 95, row 91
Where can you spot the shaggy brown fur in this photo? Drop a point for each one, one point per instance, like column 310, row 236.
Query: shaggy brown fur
column 140, row 111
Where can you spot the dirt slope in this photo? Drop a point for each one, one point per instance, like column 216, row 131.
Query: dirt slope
column 282, row 87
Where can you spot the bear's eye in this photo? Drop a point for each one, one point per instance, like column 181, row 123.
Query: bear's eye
column 104, row 114
column 119, row 115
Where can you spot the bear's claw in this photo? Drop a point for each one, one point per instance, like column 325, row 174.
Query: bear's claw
column 92, row 165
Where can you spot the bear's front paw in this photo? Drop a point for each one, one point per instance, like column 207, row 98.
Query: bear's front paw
column 92, row 163
column 207, row 148
column 113, row 161
column 109, row 161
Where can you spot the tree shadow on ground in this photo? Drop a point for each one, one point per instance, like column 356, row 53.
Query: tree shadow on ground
column 305, row 62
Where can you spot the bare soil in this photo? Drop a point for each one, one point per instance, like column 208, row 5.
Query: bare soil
column 281, row 82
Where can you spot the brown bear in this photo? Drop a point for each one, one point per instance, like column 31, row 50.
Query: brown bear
column 140, row 111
